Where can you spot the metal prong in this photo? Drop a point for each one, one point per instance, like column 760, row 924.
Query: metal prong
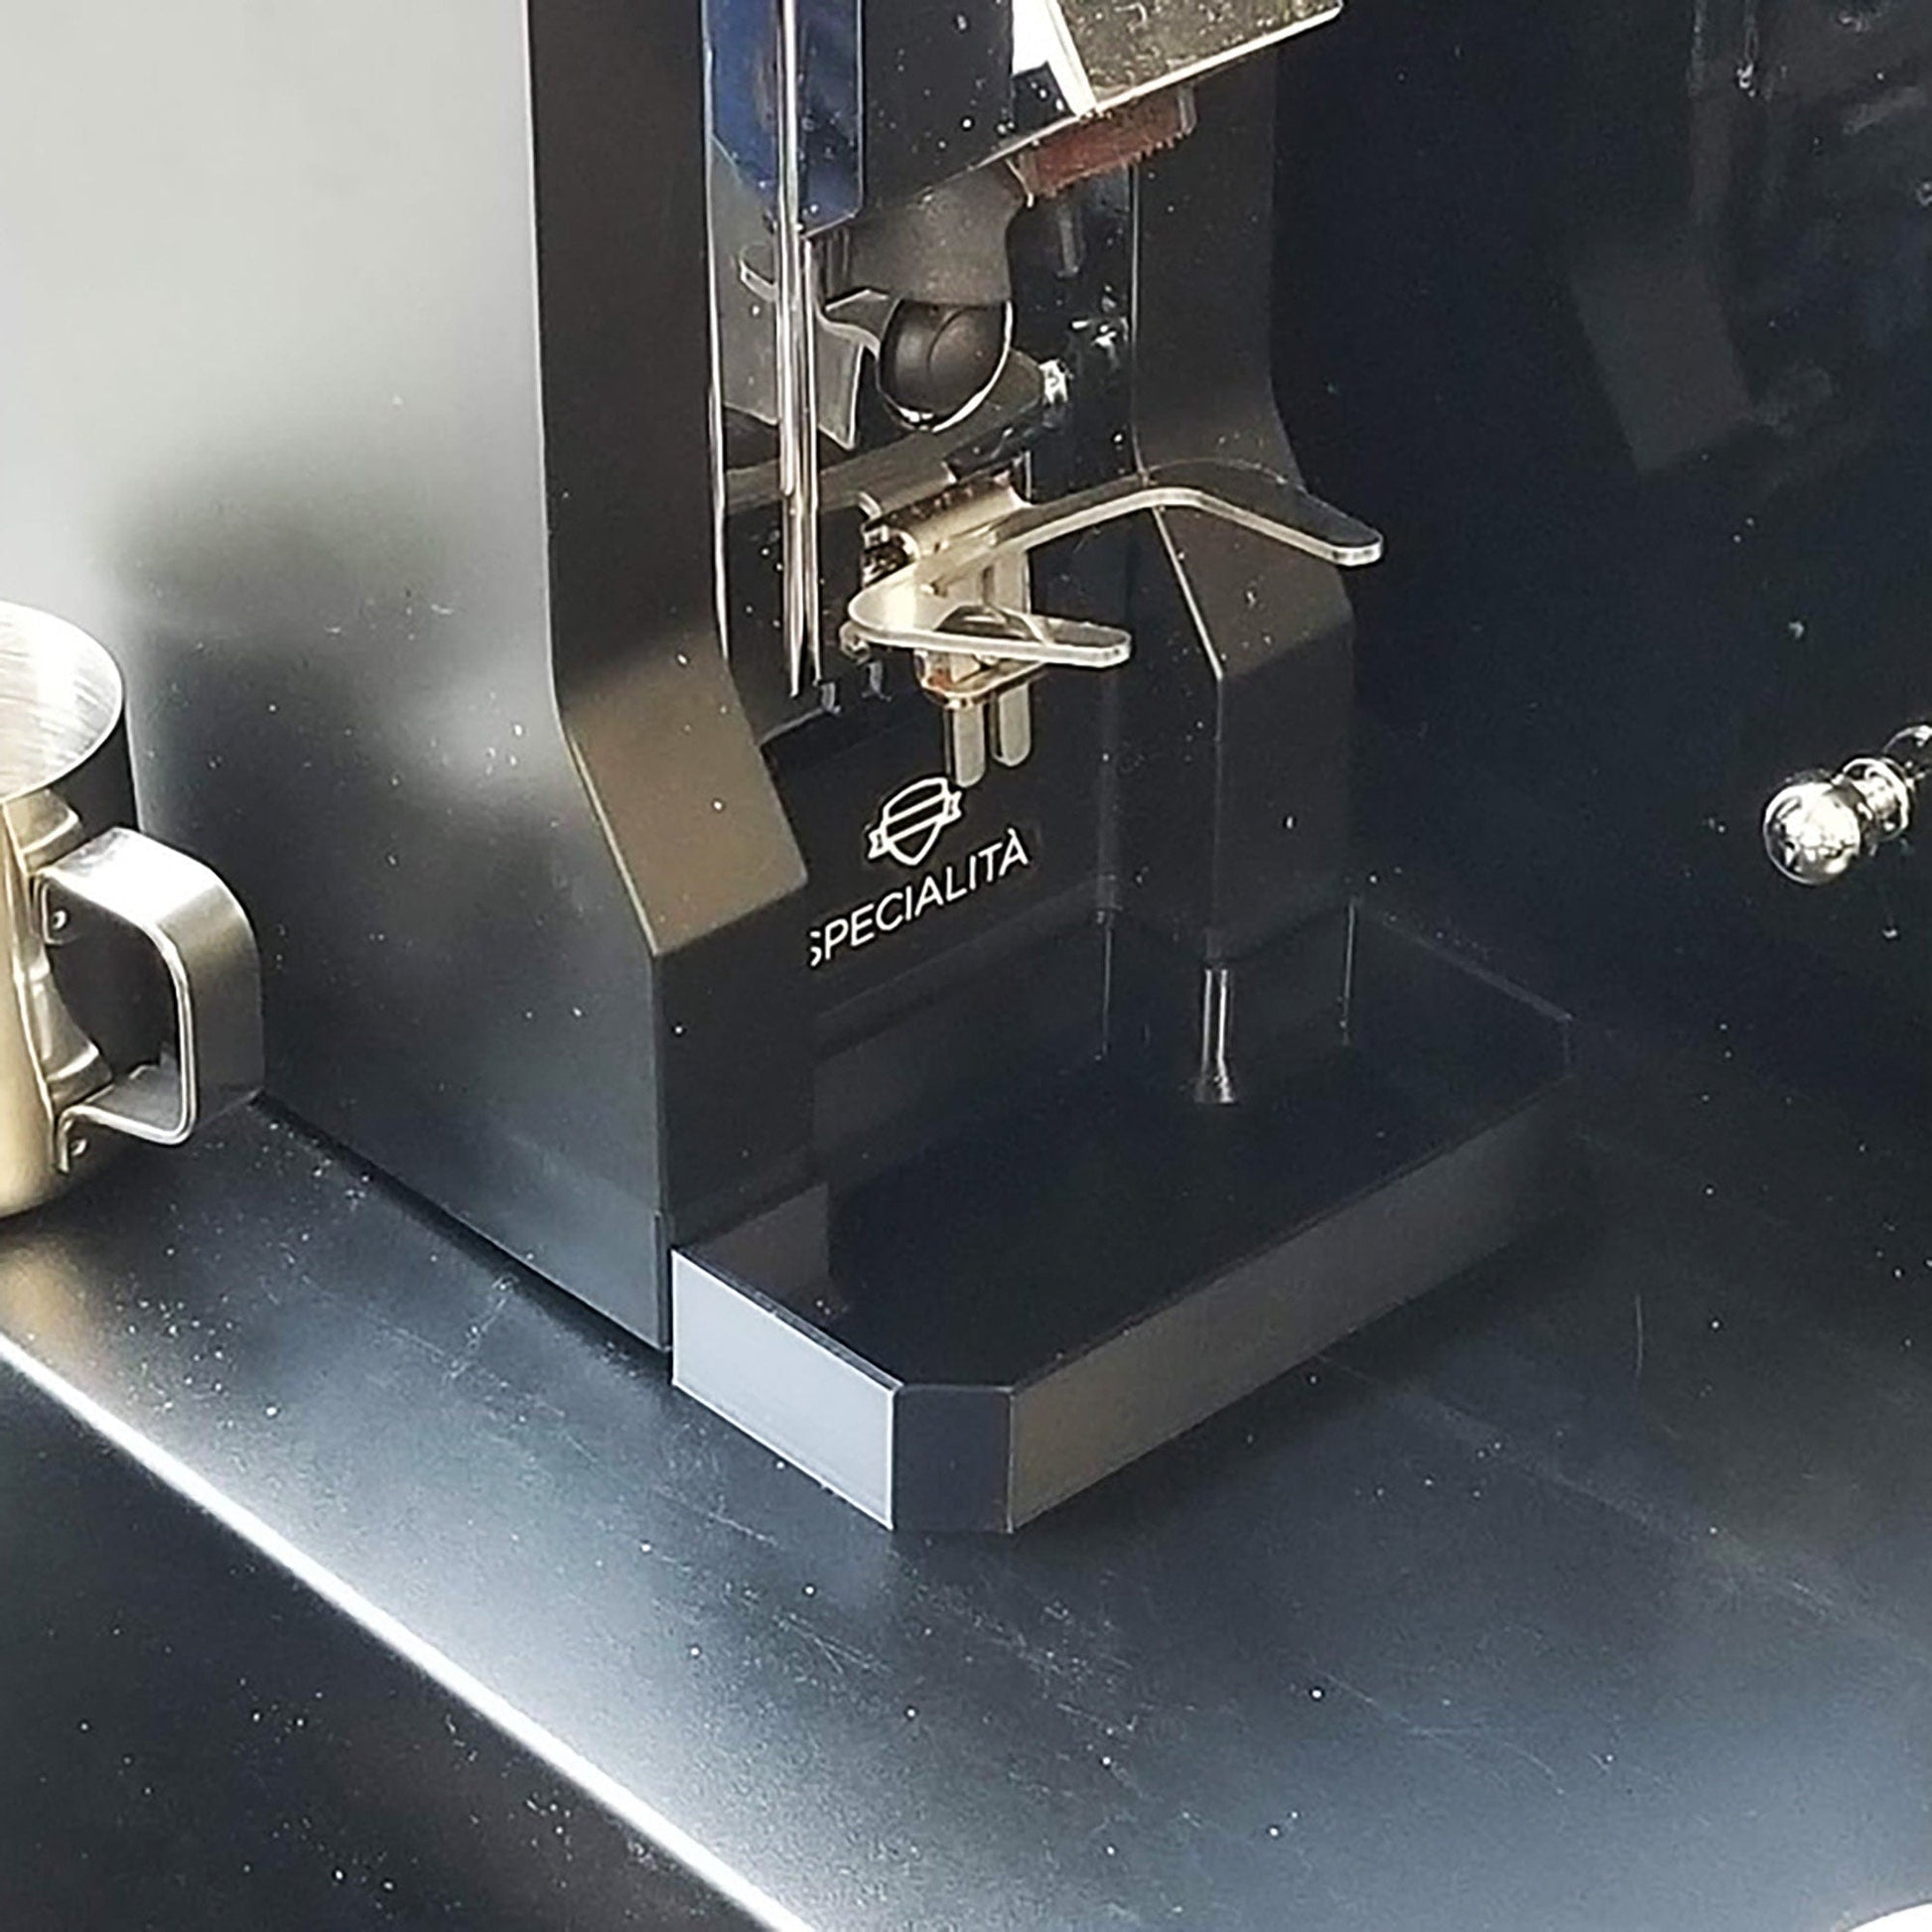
column 1012, row 725
column 966, row 744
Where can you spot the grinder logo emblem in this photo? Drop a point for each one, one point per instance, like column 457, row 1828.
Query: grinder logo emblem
column 912, row 821
column 909, row 826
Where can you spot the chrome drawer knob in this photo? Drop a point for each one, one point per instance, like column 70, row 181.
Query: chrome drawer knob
column 1820, row 825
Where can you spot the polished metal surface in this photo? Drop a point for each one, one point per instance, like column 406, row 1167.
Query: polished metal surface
column 1131, row 46
column 745, row 298
column 60, row 700
column 48, row 1066
column 197, row 928
column 796, row 318
column 962, row 601
column 742, row 39
column 925, row 606
column 1588, row 1595
column 65, row 865
column 1818, row 826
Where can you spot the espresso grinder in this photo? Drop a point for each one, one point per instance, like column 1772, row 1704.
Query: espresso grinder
column 782, row 703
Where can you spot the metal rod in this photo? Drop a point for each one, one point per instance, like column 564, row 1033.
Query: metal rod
column 797, row 377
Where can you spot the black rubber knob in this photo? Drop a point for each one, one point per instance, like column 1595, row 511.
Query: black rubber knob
column 935, row 360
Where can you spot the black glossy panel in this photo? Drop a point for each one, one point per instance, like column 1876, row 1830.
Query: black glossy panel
column 998, row 1253
column 1622, row 331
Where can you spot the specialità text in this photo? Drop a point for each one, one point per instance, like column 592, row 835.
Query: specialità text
column 893, row 911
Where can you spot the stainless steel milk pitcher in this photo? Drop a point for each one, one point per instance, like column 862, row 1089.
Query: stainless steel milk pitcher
column 133, row 989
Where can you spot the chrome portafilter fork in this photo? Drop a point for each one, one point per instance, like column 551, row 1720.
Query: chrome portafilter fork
column 959, row 596
column 1821, row 825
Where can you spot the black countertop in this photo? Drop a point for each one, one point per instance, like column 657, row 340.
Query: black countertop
column 350, row 1577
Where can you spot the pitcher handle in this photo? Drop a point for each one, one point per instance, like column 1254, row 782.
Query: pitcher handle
column 203, row 939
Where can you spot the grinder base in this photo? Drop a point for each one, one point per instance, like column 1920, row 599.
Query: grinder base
column 975, row 1335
